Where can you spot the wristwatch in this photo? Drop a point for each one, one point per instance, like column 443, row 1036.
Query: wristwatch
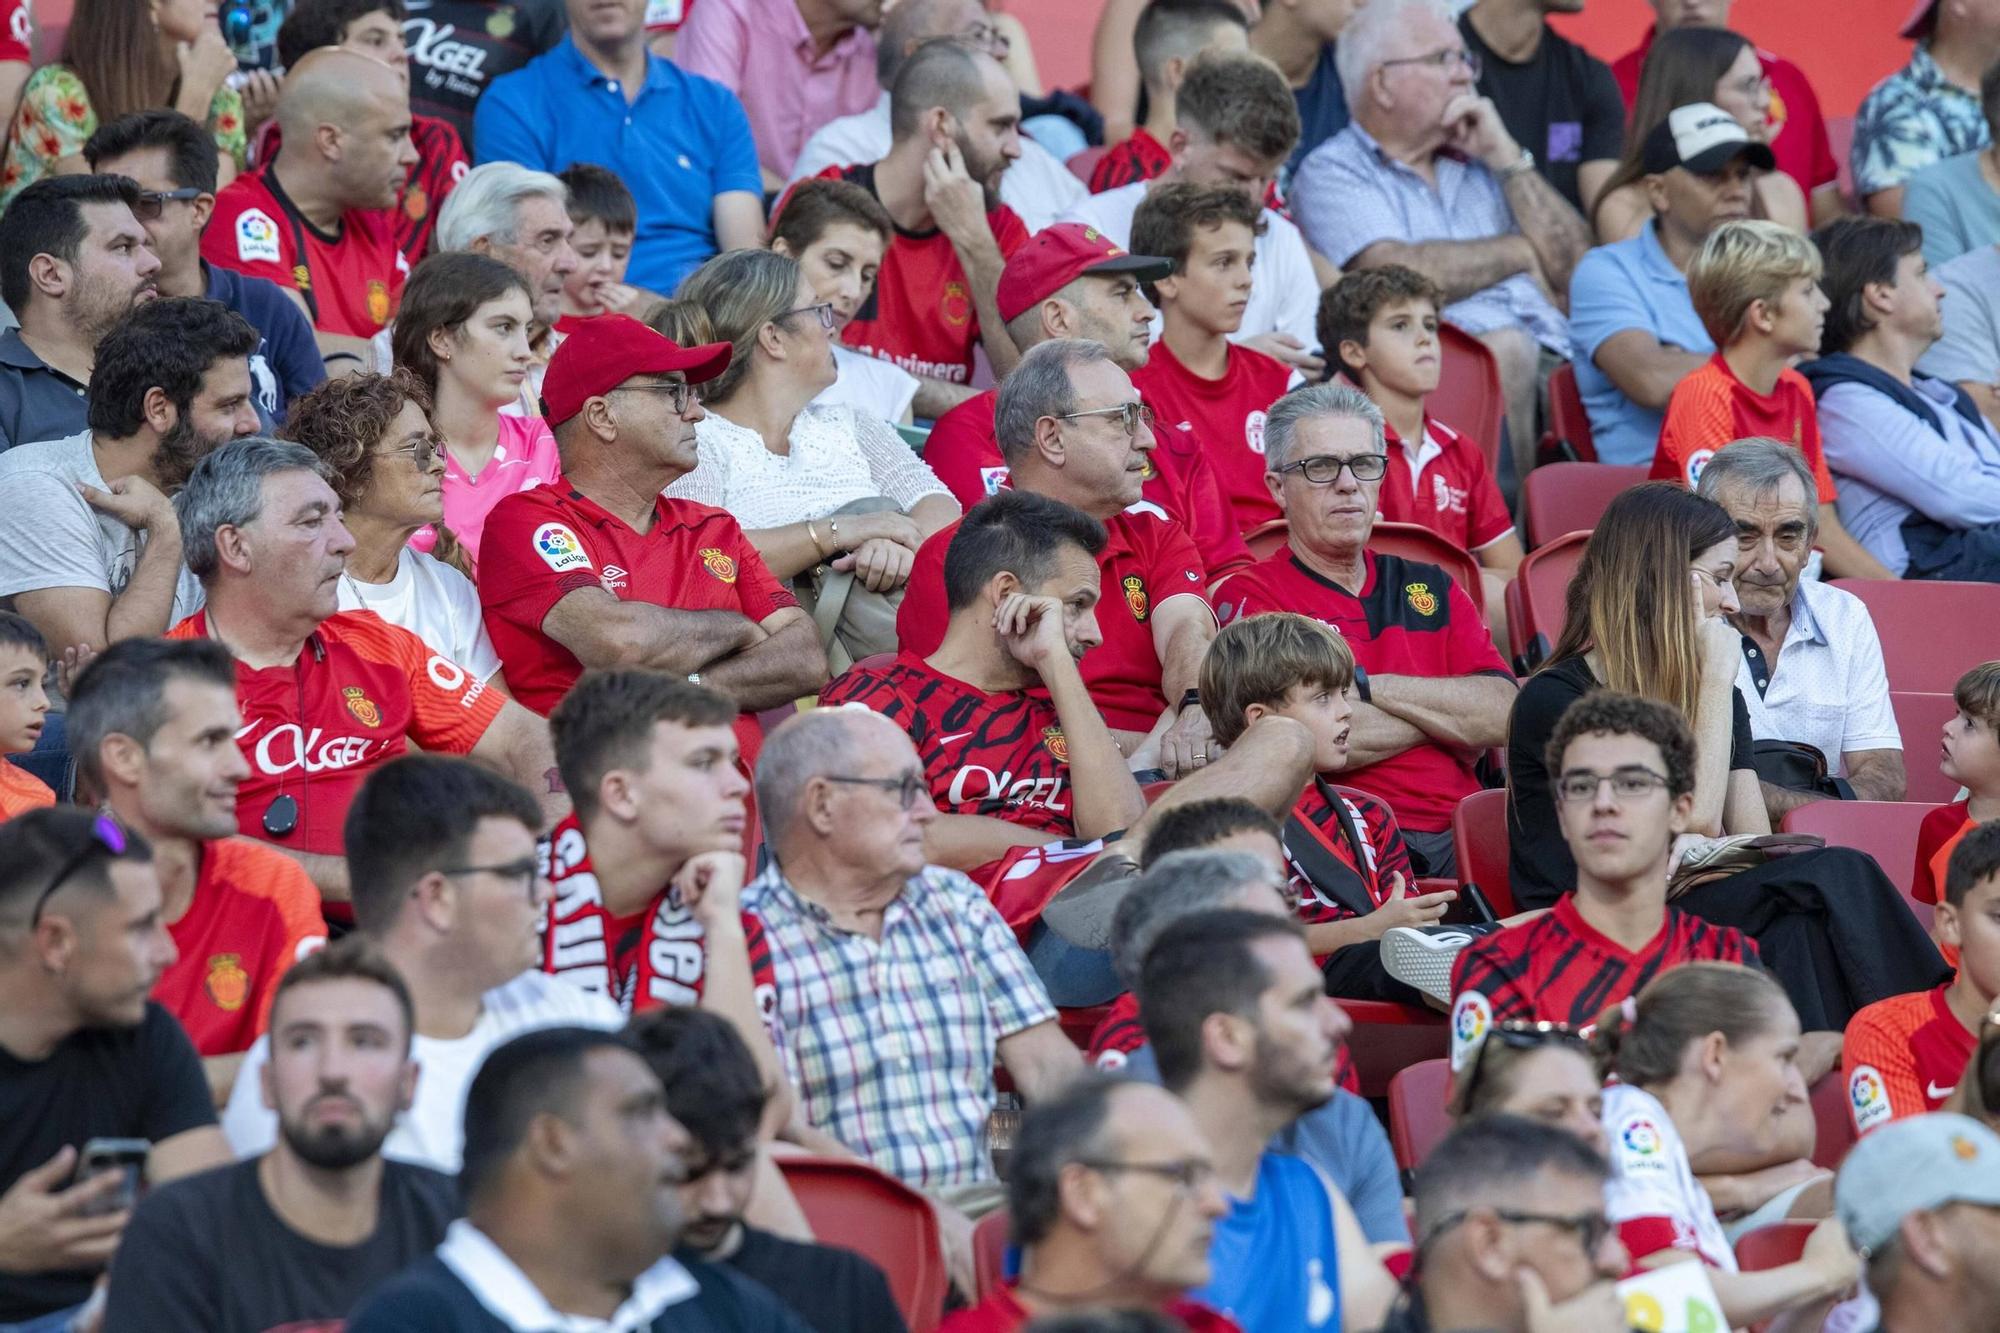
column 1520, row 166
column 1361, row 683
column 1192, row 699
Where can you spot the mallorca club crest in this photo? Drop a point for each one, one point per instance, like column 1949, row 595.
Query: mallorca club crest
column 956, row 304
column 378, row 301
column 1135, row 597
column 1057, row 743
column 358, row 703
column 717, row 562
column 227, row 983
column 1422, row 600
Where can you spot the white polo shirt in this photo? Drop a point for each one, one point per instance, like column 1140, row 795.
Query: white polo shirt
column 1830, row 689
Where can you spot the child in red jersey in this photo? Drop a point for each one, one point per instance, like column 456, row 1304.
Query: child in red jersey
column 1970, row 756
column 1903, row 1056
column 1755, row 286
column 1382, row 324
column 1196, row 379
column 24, row 706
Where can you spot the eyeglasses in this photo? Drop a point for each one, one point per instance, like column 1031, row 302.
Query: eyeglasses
column 1324, row 469
column 1187, row 1175
column 679, row 392
column 1516, row 1034
column 422, row 452
column 152, row 203
column 105, row 836
column 1627, row 784
column 824, row 309
column 1445, row 59
column 523, row 870
column 1591, row 1229
column 1129, row 416
column 907, row 789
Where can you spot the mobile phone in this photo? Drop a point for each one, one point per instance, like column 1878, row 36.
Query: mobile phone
column 125, row 1156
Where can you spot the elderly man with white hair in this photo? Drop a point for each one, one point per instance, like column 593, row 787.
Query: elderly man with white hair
column 1427, row 176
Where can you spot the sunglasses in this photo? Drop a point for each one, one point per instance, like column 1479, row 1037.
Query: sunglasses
column 1518, row 1034
column 152, row 203
column 105, row 836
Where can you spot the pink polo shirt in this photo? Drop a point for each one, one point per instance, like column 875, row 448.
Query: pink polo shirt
column 525, row 458
column 760, row 50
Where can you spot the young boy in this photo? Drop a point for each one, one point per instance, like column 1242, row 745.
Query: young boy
column 1169, row 35
column 1349, row 866
column 1755, row 286
column 1196, row 379
column 1971, row 759
column 1904, row 1055
column 606, row 219
column 1382, row 325
column 24, row 706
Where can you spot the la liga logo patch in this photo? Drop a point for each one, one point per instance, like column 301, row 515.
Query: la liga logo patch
column 559, row 548
column 1642, row 1138
column 1868, row 1098
column 1471, row 1020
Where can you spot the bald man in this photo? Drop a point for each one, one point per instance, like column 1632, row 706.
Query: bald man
column 317, row 218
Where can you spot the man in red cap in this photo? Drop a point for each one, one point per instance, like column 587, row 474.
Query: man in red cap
column 597, row 569
column 1073, row 281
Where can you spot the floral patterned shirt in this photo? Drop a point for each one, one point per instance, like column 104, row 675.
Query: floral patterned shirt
column 55, row 118
column 1913, row 118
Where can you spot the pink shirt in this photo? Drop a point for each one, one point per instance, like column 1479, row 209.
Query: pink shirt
column 525, row 457
column 761, row 51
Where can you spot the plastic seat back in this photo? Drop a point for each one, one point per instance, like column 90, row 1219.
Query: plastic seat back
column 851, row 1204
column 1417, row 1115
column 990, row 1238
column 1921, row 719
column 1932, row 633
column 1544, row 578
column 1571, row 497
column 1569, row 421
column 1772, row 1246
column 1265, row 539
column 1886, row 830
column 1468, row 397
column 1479, row 831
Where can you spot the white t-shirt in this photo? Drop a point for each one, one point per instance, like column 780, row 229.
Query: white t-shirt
column 869, row 385
column 1653, row 1196
column 1284, row 293
column 837, row 456
column 432, row 1132
column 434, row 602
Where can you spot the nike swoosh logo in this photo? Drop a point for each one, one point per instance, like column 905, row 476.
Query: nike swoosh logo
column 947, row 740
column 1937, row 1094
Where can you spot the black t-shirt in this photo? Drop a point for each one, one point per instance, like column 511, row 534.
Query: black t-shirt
column 142, row 1082
column 209, row 1254
column 1563, row 105
column 459, row 47
column 833, row 1290
column 1540, row 868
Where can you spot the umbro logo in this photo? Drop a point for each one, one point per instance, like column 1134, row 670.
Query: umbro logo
column 613, row 578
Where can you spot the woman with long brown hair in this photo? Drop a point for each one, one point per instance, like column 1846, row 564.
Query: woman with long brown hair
column 122, row 56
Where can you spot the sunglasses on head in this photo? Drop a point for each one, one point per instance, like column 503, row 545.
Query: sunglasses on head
column 1518, row 1034
column 105, row 837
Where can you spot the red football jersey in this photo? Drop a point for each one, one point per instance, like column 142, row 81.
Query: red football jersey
column 1147, row 561
column 1408, row 620
column 1117, row 1034
column 1226, row 415
column 1711, row 407
column 965, row 454
column 1139, row 158
column 1001, row 1312
column 351, row 280
column 361, row 691
column 1559, row 968
column 1903, row 1056
column 540, row 545
column 441, row 164
column 1937, row 837
column 1445, row 485
column 1381, row 854
column 254, row 914
column 1797, row 128
column 921, row 315
column 16, row 34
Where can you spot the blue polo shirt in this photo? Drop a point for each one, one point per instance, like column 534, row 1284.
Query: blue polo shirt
column 1628, row 284
column 684, row 141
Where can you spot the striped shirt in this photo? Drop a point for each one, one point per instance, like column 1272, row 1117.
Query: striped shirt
column 890, row 1041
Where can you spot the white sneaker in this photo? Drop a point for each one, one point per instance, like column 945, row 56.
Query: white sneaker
column 1423, row 957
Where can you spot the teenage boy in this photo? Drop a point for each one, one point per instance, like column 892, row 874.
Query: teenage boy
column 606, row 218
column 1169, row 35
column 1196, row 379
column 1624, row 789
column 1382, row 325
column 1972, row 759
column 1904, row 1055
column 24, row 708
column 1755, row 286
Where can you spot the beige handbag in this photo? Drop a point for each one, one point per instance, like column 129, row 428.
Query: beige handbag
column 853, row 621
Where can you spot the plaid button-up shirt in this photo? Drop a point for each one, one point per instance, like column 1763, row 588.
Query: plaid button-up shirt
column 891, row 1042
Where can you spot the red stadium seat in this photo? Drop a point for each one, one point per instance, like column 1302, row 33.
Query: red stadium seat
column 1153, row 791
column 989, row 1252
column 1265, row 539
column 1772, row 1246
column 851, row 1204
column 1932, row 633
column 1078, row 1024
column 1417, row 1115
column 1413, row 541
column 1886, row 830
column 1544, row 581
column 1571, row 497
column 1468, row 397
column 1833, row 1123
column 1479, row 832
column 1568, row 437
column 1390, row 1037
column 1921, row 719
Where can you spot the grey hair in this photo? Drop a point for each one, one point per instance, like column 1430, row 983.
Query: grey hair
column 1368, row 34
column 485, row 203
column 1316, row 400
column 1760, row 464
column 807, row 746
column 226, row 490
column 909, row 24
column 1040, row 386
column 1177, row 885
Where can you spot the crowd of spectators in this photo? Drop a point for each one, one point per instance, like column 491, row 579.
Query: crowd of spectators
column 610, row 608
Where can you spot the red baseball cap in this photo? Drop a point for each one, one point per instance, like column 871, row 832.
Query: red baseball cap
column 606, row 351
column 1920, row 14
column 1056, row 256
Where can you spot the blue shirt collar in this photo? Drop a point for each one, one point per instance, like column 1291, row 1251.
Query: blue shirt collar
column 1653, row 257
column 658, row 71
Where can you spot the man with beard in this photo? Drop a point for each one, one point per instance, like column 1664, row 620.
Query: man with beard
column 1232, row 1004
column 955, row 121
column 303, row 1232
column 89, row 547
column 73, row 262
column 153, row 725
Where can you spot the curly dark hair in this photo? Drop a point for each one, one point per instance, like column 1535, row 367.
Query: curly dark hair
column 343, row 419
column 1603, row 711
column 1347, row 308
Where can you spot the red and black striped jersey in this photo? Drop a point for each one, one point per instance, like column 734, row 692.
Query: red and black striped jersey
column 1380, row 855
column 1120, row 1033
column 1139, row 158
column 1559, row 968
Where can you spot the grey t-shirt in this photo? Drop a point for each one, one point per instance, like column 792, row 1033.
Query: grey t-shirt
column 1970, row 348
column 1955, row 206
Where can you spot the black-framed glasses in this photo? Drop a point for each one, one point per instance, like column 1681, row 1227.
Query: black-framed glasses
column 1129, row 416
column 423, row 452
column 523, row 870
column 105, row 837
column 908, row 789
column 1517, row 1034
column 679, row 392
column 152, row 203
column 1443, row 60
column 1627, row 784
column 1591, row 1229
column 1188, row 1175
column 824, row 309
column 1324, row 469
